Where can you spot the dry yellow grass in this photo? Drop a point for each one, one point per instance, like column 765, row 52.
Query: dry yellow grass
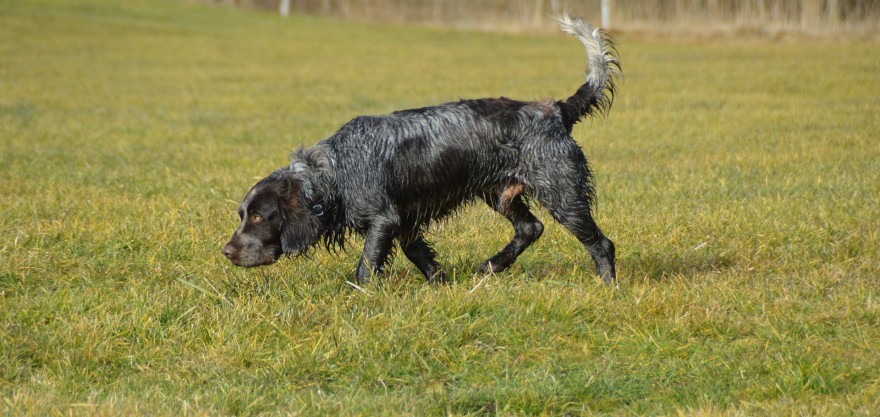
column 740, row 181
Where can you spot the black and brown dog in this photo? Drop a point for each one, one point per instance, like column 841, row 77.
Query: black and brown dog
column 388, row 177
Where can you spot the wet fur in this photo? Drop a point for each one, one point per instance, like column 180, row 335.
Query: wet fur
column 389, row 177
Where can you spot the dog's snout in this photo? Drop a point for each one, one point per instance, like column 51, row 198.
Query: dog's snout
column 228, row 250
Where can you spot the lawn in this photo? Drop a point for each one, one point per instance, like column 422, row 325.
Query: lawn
column 739, row 179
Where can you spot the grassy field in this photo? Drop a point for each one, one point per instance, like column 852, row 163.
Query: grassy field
column 739, row 180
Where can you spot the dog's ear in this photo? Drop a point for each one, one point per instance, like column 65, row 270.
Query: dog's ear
column 300, row 227
column 294, row 236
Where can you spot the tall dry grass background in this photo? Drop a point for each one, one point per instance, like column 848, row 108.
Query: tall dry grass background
column 762, row 16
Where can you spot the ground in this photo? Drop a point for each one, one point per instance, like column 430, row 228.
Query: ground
column 739, row 179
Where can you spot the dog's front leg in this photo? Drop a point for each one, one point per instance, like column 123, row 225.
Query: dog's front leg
column 420, row 253
column 379, row 241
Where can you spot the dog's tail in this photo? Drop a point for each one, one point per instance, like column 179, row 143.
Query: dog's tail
column 597, row 93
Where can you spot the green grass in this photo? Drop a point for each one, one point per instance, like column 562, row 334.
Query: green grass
column 739, row 180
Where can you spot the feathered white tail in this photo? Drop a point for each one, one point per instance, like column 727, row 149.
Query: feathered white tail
column 603, row 66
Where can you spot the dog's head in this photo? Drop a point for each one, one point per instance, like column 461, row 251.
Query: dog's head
column 284, row 213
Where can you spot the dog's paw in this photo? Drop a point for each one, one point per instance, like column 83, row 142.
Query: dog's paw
column 438, row 278
column 489, row 267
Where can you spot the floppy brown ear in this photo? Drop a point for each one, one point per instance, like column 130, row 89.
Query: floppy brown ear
column 300, row 228
column 294, row 238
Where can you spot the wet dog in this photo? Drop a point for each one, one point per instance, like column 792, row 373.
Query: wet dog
column 389, row 177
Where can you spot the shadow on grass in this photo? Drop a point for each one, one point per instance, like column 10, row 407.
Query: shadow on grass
column 400, row 275
column 656, row 266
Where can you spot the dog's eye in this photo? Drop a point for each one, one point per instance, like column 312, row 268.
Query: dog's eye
column 256, row 218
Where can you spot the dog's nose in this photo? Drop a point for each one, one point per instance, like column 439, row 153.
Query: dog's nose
column 228, row 250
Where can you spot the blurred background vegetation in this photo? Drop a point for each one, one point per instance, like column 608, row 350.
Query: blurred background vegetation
column 813, row 17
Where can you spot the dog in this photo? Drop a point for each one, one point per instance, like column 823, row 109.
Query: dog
column 387, row 178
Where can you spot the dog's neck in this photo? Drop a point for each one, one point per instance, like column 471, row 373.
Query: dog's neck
column 314, row 168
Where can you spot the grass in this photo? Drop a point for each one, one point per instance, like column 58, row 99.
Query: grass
column 740, row 181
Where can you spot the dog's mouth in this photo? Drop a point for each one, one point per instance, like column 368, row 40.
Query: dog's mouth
column 250, row 260
column 252, row 264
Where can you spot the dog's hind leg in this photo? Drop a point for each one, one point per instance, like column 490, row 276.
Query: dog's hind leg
column 527, row 227
column 601, row 249
column 565, row 189
column 572, row 210
column 420, row 253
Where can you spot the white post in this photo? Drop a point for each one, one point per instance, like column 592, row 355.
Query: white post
column 606, row 14
column 833, row 13
column 284, row 7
